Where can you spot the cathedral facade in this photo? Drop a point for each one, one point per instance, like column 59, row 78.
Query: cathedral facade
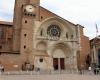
column 41, row 40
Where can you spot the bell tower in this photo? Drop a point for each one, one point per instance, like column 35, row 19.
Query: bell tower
column 23, row 14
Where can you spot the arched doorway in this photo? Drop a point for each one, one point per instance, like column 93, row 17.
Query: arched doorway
column 58, row 59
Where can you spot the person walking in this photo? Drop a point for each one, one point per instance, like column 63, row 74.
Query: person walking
column 89, row 69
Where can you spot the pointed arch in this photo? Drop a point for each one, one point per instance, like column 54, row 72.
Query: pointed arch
column 61, row 50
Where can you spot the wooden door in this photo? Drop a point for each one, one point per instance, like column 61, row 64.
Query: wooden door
column 55, row 63
column 62, row 64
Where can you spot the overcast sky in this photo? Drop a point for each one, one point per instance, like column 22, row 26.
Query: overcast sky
column 83, row 12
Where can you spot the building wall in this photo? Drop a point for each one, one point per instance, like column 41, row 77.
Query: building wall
column 95, row 50
column 84, row 48
column 6, row 31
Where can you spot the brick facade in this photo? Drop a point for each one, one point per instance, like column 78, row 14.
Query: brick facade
column 29, row 40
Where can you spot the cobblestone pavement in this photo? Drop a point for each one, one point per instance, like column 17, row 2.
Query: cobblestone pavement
column 50, row 77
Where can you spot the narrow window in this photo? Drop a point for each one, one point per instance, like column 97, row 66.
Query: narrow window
column 24, row 10
column 25, row 21
column 25, row 35
column 1, row 32
column 71, row 36
column 41, row 32
column 66, row 35
column 0, row 46
column 24, row 46
column 41, row 17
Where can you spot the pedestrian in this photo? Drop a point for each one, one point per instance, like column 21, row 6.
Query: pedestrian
column 97, row 69
column 90, row 69
column 94, row 71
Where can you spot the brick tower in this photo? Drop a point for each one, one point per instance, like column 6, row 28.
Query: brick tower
column 23, row 18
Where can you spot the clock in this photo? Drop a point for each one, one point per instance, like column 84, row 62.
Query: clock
column 54, row 31
column 30, row 8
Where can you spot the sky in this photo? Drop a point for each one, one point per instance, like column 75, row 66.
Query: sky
column 83, row 12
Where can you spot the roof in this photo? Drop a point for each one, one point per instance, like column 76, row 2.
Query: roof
column 56, row 15
column 62, row 17
column 6, row 23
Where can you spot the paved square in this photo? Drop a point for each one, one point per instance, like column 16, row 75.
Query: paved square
column 50, row 77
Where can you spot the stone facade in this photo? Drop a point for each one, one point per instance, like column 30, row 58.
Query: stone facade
column 43, row 40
